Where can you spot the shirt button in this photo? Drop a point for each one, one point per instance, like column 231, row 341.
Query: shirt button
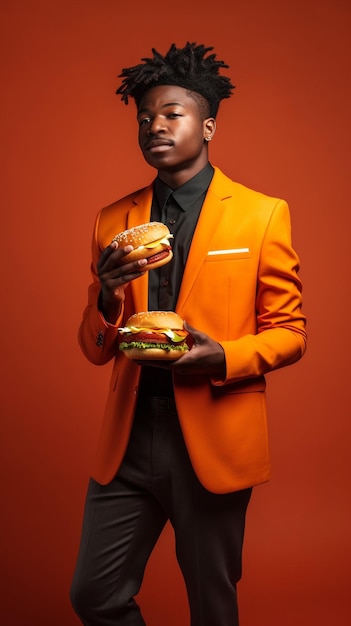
column 172, row 221
column 165, row 282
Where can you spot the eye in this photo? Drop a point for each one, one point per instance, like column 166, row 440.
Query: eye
column 174, row 115
column 144, row 120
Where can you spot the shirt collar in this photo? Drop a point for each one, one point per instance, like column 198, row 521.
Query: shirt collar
column 186, row 194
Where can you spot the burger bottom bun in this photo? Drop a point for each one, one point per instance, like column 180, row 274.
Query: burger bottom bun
column 153, row 354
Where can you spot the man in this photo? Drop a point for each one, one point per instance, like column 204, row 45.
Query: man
column 188, row 442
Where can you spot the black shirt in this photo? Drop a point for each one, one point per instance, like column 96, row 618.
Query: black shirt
column 179, row 209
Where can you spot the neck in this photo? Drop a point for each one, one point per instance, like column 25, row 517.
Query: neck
column 177, row 178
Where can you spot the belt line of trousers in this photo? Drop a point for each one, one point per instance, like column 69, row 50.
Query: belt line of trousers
column 123, row 520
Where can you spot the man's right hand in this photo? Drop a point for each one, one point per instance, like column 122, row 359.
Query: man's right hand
column 114, row 277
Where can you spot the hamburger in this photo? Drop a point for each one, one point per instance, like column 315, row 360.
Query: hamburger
column 150, row 241
column 155, row 335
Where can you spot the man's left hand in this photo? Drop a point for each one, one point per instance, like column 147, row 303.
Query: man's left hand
column 206, row 356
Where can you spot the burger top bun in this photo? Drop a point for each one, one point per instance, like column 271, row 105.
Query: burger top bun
column 156, row 319
column 150, row 241
column 142, row 234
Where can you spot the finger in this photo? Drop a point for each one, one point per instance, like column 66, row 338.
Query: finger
column 194, row 332
column 125, row 273
column 127, row 277
column 111, row 256
column 135, row 266
column 108, row 251
column 188, row 328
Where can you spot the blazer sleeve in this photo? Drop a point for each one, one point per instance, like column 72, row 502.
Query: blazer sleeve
column 97, row 338
column 281, row 338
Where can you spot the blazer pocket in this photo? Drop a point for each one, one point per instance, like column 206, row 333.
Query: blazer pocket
column 231, row 254
column 247, row 385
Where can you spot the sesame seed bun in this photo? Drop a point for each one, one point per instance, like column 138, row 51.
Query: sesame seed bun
column 150, row 241
column 156, row 319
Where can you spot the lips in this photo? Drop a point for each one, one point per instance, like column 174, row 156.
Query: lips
column 158, row 143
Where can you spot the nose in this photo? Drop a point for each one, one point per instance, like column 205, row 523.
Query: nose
column 156, row 126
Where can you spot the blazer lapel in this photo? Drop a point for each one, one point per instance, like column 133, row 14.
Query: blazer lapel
column 140, row 214
column 209, row 220
column 220, row 189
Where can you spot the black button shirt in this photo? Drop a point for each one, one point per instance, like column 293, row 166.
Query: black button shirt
column 179, row 209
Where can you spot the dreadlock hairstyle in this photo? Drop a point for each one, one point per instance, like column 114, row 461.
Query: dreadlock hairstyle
column 187, row 67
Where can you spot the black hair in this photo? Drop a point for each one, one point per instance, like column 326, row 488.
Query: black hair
column 187, row 67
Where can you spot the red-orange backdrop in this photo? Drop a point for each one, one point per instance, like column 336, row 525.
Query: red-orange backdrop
column 68, row 147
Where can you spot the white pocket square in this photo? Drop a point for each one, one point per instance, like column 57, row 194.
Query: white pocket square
column 230, row 251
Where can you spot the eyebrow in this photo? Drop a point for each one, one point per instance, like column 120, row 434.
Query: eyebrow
column 164, row 106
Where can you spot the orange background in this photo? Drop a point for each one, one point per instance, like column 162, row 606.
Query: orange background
column 68, row 147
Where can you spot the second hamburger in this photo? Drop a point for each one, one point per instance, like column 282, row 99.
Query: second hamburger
column 154, row 335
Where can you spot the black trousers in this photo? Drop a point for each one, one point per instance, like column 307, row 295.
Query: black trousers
column 124, row 519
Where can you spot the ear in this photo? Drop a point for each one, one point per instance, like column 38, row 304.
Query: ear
column 209, row 126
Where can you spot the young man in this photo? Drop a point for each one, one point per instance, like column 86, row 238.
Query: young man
column 186, row 442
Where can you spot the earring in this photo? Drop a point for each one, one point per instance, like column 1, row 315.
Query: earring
column 208, row 138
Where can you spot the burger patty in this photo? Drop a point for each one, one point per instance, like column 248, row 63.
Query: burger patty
column 159, row 256
column 146, row 337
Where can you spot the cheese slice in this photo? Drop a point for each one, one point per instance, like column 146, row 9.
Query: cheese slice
column 136, row 329
column 153, row 244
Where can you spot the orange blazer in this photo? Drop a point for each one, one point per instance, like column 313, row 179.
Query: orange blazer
column 241, row 287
